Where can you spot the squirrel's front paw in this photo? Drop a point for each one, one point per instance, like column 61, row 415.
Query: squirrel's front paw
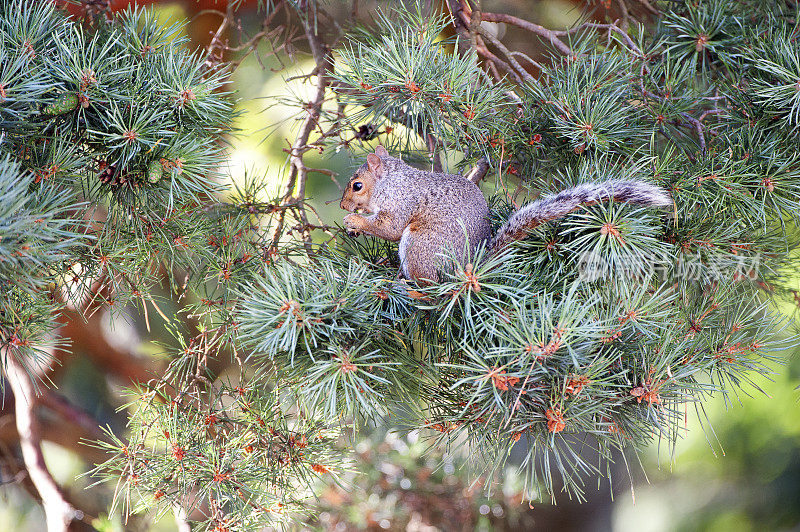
column 354, row 224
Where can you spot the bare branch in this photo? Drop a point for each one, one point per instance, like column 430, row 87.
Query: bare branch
column 609, row 27
column 623, row 9
column 549, row 35
column 433, row 149
column 494, row 60
column 474, row 24
column 212, row 56
column 496, row 42
column 58, row 512
column 529, row 59
column 649, row 7
column 296, row 185
column 459, row 21
column 478, row 171
column 464, row 26
column 698, row 126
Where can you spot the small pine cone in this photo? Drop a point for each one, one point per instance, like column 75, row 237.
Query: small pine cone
column 95, row 7
column 106, row 173
column 367, row 132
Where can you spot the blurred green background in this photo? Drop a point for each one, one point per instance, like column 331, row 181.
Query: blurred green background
column 737, row 471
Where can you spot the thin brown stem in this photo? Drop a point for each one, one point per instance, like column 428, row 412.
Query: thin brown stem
column 474, row 24
column 649, row 7
column 550, row 35
column 493, row 60
column 478, row 171
column 698, row 126
column 433, row 151
column 509, row 56
column 623, row 10
column 529, row 59
column 459, row 20
column 58, row 512
column 609, row 27
column 213, row 56
column 294, row 191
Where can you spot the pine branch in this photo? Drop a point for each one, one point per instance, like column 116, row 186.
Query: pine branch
column 597, row 327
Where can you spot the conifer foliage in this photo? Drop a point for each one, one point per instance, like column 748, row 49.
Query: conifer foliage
column 599, row 330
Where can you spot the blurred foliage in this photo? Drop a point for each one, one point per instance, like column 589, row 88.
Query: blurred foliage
column 398, row 484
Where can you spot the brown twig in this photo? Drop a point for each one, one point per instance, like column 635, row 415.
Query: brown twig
column 494, row 61
column 711, row 112
column 608, row 27
column 61, row 423
column 474, row 24
column 433, row 149
column 251, row 45
column 529, row 59
column 549, row 35
column 294, row 191
column 698, row 126
column 520, row 71
column 478, row 171
column 58, row 512
column 459, row 21
column 623, row 10
column 463, row 24
column 216, row 40
column 649, row 7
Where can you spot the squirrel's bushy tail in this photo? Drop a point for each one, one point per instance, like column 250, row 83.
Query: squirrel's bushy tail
column 566, row 201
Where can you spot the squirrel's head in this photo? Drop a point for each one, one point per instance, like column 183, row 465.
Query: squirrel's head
column 357, row 194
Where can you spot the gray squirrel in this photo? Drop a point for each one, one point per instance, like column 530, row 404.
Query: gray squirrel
column 429, row 213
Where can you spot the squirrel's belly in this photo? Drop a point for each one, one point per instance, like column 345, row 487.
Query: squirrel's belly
column 405, row 241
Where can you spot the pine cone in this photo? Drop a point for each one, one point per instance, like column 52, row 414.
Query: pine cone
column 108, row 175
column 95, row 7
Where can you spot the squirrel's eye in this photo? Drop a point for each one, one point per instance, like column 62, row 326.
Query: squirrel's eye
column 358, row 185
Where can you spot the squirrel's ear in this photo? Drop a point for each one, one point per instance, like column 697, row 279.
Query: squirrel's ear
column 375, row 165
column 380, row 151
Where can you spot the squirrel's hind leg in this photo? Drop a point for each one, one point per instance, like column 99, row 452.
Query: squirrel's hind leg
column 421, row 272
column 418, row 256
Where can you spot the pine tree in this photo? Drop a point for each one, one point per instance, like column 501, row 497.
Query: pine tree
column 598, row 330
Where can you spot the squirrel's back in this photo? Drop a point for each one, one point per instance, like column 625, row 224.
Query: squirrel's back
column 446, row 195
column 438, row 197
